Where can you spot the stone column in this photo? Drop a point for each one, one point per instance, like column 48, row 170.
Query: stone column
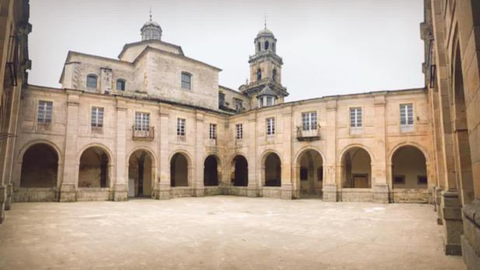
column 380, row 185
column 199, row 154
column 287, row 175
column 254, row 184
column 332, row 181
column 70, row 169
column 164, row 154
column 120, row 188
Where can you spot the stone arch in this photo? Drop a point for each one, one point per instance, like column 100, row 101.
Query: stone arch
column 39, row 166
column 271, row 169
column 142, row 171
column 95, row 167
column 356, row 164
column 239, row 170
column 212, row 170
column 99, row 145
column 181, row 169
column 309, row 174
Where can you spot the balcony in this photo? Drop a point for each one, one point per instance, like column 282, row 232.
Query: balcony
column 308, row 135
column 142, row 134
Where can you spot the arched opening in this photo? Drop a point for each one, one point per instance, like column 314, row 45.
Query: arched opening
column 310, row 174
column 210, row 171
column 92, row 81
column 357, row 169
column 39, row 167
column 259, row 74
column 463, row 162
column 273, row 47
column 179, row 171
column 273, row 171
column 140, row 174
column 93, row 170
column 240, row 172
column 259, row 46
column 409, row 169
column 266, row 45
column 274, row 75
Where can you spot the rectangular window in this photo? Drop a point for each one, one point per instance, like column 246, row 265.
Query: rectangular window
column 356, row 117
column 142, row 121
column 121, row 85
column 44, row 112
column 303, row 174
column 239, row 131
column 270, row 126
column 186, row 81
column 422, row 180
column 221, row 99
column 213, row 132
column 180, row 127
column 406, row 117
column 309, row 121
column 97, row 117
column 238, row 104
column 399, row 179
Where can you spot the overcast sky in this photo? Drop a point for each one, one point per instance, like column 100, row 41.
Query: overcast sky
column 329, row 47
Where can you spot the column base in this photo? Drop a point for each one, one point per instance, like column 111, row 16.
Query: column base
column 164, row 194
column 3, row 198
column 287, row 192
column 452, row 220
column 253, row 192
column 199, row 192
column 68, row 193
column 120, row 193
column 471, row 237
column 381, row 194
column 330, row 193
column 8, row 202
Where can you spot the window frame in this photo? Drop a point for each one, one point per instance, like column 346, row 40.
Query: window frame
column 311, row 122
column 181, row 127
column 239, row 131
column 407, row 117
column 97, row 120
column 184, row 83
column 212, row 131
column 142, row 123
column 124, row 85
column 89, row 76
column 270, row 126
column 357, row 121
column 46, row 113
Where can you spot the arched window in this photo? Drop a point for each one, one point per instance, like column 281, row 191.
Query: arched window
column 121, row 85
column 92, row 81
column 273, row 46
column 259, row 74
column 259, row 46
column 274, row 76
column 266, row 45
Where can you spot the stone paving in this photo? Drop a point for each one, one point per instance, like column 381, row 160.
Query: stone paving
column 223, row 233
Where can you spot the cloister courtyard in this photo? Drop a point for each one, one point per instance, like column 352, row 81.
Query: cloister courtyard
column 223, row 232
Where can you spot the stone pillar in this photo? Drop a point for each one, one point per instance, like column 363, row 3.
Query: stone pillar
column 70, row 170
column 120, row 188
column 164, row 154
column 287, row 174
column 380, row 185
column 254, row 184
column 332, row 179
column 452, row 216
column 199, row 153
column 471, row 237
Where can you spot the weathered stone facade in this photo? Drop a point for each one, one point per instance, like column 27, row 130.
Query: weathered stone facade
column 155, row 123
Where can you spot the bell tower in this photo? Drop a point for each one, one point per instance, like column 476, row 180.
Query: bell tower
column 265, row 72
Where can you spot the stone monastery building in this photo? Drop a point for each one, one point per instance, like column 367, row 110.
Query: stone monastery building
column 155, row 123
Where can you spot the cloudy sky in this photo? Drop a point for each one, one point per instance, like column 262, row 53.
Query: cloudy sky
column 329, row 47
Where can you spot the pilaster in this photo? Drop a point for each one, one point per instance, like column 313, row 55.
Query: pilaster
column 198, row 186
column 332, row 180
column 164, row 189
column 70, row 170
column 287, row 174
column 120, row 187
column 380, row 183
column 254, row 184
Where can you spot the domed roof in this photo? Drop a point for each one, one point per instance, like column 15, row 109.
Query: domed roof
column 151, row 23
column 267, row 91
column 265, row 33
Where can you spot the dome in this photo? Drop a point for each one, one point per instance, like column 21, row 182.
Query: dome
column 151, row 31
column 151, row 23
column 265, row 33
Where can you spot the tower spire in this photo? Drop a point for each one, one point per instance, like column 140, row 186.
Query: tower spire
column 150, row 13
column 265, row 20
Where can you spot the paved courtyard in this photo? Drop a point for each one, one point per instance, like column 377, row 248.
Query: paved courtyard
column 222, row 233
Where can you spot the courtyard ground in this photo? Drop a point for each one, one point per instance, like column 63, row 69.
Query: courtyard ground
column 222, row 233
